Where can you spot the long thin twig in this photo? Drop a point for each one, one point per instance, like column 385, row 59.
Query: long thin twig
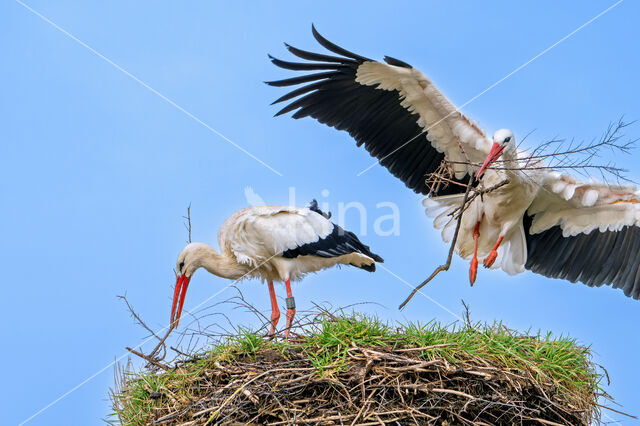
column 150, row 359
column 146, row 327
column 188, row 224
column 161, row 340
column 578, row 157
column 445, row 267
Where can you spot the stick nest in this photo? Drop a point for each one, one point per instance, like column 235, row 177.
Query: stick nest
column 357, row 370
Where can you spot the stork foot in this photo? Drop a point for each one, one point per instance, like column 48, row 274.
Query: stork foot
column 473, row 270
column 275, row 317
column 275, row 312
column 489, row 260
column 291, row 313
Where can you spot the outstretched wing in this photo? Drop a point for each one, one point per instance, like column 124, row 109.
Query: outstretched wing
column 587, row 232
column 391, row 108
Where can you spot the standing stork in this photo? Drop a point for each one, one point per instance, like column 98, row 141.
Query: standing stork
column 539, row 219
column 274, row 243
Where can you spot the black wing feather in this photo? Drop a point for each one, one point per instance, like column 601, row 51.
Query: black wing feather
column 311, row 56
column 297, row 66
column 339, row 242
column 396, row 62
column 596, row 259
column 373, row 117
column 299, row 80
column 334, row 47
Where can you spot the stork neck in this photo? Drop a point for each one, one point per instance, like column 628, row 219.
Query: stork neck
column 509, row 161
column 223, row 266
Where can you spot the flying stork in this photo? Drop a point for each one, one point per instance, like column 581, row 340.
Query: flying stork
column 274, row 243
column 540, row 220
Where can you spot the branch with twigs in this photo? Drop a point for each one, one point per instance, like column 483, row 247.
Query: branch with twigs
column 149, row 358
column 443, row 174
column 579, row 157
column 447, row 264
column 188, row 224
column 154, row 358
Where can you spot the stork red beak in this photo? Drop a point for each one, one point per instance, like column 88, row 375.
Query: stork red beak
column 494, row 154
column 182, row 282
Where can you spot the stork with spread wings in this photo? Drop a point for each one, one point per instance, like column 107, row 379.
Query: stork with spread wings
column 536, row 219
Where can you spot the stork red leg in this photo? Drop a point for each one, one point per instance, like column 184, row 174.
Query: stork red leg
column 488, row 261
column 291, row 308
column 473, row 270
column 275, row 312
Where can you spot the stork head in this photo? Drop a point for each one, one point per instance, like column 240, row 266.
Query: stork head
column 503, row 142
column 189, row 260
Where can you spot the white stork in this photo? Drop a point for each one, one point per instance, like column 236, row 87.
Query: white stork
column 274, row 243
column 544, row 221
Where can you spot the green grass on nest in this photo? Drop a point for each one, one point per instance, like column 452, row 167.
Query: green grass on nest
column 470, row 364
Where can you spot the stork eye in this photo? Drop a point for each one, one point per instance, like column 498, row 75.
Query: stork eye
column 181, row 266
column 507, row 139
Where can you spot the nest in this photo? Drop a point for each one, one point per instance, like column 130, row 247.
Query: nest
column 356, row 370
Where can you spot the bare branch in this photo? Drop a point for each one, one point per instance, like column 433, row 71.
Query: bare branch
column 467, row 313
column 445, row 266
column 580, row 157
column 152, row 355
column 148, row 358
column 188, row 224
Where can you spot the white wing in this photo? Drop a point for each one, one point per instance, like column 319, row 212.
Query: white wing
column 392, row 108
column 255, row 234
column 444, row 123
column 588, row 232
column 579, row 207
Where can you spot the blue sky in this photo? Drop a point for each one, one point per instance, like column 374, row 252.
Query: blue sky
column 96, row 170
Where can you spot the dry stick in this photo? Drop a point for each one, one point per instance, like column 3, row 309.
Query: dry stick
column 161, row 344
column 446, row 266
column 454, row 392
column 481, row 192
column 188, row 224
column 616, row 411
column 424, row 348
column 149, row 359
column 563, row 159
column 467, row 314
column 137, row 317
